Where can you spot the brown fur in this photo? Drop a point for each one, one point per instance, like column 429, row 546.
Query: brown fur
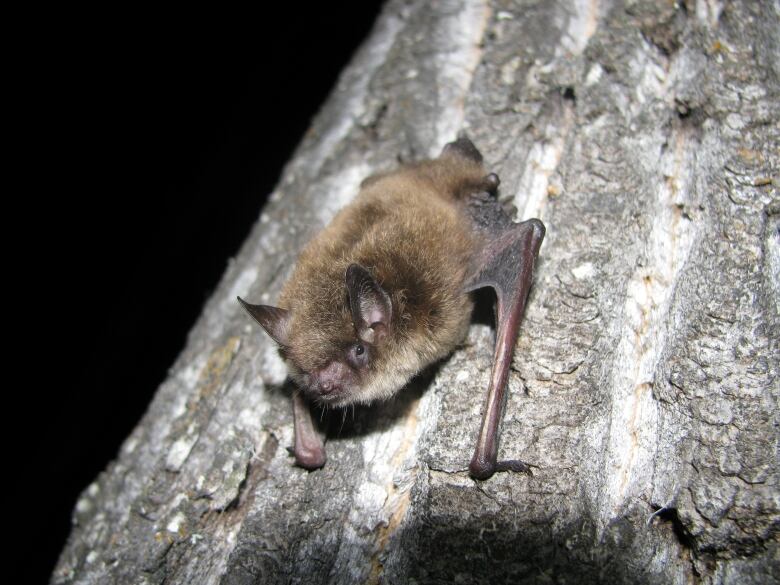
column 408, row 228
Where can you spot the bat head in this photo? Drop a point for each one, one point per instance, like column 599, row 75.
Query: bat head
column 342, row 350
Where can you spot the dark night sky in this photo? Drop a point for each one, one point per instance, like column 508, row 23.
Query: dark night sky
column 154, row 140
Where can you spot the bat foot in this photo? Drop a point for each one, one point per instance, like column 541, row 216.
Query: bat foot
column 516, row 466
column 485, row 190
column 480, row 197
column 485, row 469
column 481, row 469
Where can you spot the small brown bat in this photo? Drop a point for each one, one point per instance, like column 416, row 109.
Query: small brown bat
column 384, row 291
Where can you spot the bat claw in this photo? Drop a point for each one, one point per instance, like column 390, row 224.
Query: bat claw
column 516, row 466
column 509, row 208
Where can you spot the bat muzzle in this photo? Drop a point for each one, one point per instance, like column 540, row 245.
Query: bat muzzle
column 332, row 383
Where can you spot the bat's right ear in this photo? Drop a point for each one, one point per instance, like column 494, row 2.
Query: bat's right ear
column 274, row 320
column 369, row 303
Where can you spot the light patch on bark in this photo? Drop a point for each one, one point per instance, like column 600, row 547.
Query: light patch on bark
column 239, row 288
column 652, row 82
column 354, row 104
column 338, row 189
column 585, row 270
column 773, row 258
column 544, row 157
column 181, row 448
column 465, row 30
column 634, row 416
column 188, row 377
column 581, row 26
column 708, row 12
column 380, row 504
column 274, row 370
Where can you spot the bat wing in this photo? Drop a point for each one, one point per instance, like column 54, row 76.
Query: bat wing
column 505, row 262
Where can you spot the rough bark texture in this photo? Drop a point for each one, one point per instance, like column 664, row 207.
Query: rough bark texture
column 645, row 382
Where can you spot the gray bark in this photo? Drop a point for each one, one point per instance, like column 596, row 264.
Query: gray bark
column 645, row 381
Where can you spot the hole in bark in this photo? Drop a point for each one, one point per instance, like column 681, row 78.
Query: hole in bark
column 373, row 125
column 683, row 111
column 569, row 94
column 671, row 515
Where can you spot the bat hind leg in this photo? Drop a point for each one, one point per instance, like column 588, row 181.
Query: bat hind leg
column 484, row 469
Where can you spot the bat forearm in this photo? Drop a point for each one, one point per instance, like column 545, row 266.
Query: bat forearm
column 309, row 450
column 483, row 463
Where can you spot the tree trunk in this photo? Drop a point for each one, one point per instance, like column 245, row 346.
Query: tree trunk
column 645, row 381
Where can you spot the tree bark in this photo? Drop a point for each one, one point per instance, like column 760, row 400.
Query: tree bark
column 645, row 380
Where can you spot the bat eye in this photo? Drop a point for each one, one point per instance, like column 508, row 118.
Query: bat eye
column 357, row 356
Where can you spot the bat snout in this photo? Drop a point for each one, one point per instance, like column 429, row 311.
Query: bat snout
column 333, row 381
column 329, row 387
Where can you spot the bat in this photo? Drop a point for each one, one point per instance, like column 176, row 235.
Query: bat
column 385, row 290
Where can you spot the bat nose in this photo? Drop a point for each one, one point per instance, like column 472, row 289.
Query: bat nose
column 329, row 387
column 331, row 378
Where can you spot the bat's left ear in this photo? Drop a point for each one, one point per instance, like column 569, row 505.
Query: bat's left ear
column 369, row 304
column 274, row 320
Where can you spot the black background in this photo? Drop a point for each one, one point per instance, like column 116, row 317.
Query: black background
column 152, row 141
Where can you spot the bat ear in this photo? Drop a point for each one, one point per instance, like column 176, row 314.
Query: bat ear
column 369, row 304
column 274, row 320
column 462, row 147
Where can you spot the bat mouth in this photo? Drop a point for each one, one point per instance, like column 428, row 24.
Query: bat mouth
column 329, row 392
column 331, row 384
column 334, row 396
